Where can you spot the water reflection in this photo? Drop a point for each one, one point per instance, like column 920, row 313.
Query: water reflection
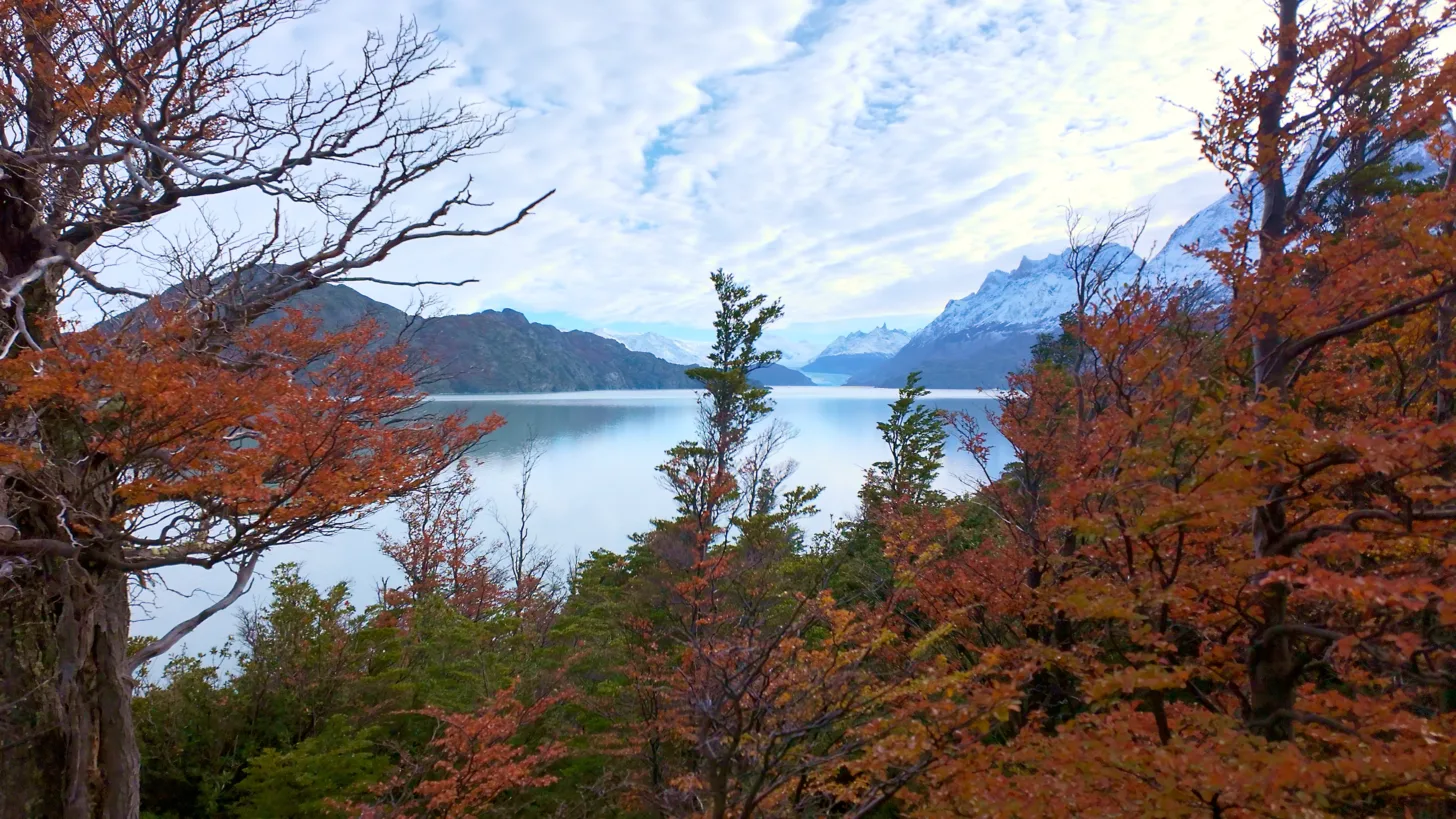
column 596, row 484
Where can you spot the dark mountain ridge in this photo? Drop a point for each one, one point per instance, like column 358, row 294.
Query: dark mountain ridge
column 501, row 351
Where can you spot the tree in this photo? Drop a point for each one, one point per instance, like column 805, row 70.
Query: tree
column 303, row 665
column 532, row 602
column 188, row 435
column 440, row 552
column 1227, row 543
column 470, row 764
column 314, row 779
column 1319, row 302
column 709, row 477
column 753, row 692
column 916, row 438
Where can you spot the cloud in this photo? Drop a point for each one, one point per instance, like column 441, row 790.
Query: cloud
column 862, row 158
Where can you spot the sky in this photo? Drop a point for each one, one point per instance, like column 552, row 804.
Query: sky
column 863, row 160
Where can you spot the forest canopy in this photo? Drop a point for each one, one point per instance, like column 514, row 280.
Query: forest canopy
column 1217, row 579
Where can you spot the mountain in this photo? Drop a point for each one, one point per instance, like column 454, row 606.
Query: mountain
column 879, row 341
column 977, row 340
column 797, row 352
column 681, row 351
column 777, row 375
column 859, row 351
column 501, row 351
column 676, row 350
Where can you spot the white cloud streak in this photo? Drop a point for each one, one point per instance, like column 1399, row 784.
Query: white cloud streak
column 868, row 158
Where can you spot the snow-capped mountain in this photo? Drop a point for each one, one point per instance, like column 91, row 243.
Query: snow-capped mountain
column 976, row 340
column 979, row 338
column 859, row 351
column 1030, row 298
column 797, row 352
column 676, row 350
column 880, row 341
column 1173, row 263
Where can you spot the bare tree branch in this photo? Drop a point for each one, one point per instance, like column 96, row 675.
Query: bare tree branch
column 163, row 644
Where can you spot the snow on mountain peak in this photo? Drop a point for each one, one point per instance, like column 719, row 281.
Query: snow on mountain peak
column 676, row 350
column 796, row 352
column 1029, row 298
column 879, row 341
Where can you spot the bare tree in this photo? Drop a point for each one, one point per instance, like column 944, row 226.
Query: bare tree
column 526, row 562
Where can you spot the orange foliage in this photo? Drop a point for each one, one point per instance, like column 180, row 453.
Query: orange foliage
column 440, row 552
column 281, row 435
column 475, row 761
column 197, row 439
column 478, row 761
column 1228, row 549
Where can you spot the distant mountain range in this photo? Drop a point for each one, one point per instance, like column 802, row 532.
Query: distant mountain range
column 977, row 340
column 501, row 351
column 859, row 352
column 676, row 350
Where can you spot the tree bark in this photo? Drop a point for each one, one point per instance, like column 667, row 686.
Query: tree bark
column 1272, row 671
column 70, row 748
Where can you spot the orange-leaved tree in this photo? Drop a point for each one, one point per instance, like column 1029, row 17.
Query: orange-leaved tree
column 441, row 553
column 186, row 435
column 1232, row 523
column 143, row 453
column 474, row 760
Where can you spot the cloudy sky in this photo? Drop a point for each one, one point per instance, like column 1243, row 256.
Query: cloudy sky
column 865, row 160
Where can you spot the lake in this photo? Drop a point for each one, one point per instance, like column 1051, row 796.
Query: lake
column 594, row 484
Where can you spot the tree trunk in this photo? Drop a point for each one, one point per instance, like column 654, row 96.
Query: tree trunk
column 1272, row 671
column 70, row 747
column 1271, row 666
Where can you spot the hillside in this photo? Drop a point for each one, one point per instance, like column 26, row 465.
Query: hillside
column 501, row 351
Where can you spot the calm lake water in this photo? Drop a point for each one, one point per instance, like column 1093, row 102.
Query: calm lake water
column 594, row 484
